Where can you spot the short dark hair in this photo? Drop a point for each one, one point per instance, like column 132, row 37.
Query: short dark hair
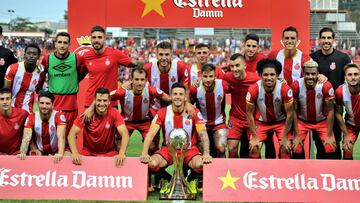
column 46, row 94
column 164, row 45
column 269, row 63
column 208, row 67
column 33, row 46
column 1, row 30
column 350, row 65
column 291, row 29
column 201, row 45
column 236, row 56
column 138, row 70
column 327, row 29
column 101, row 90
column 178, row 85
column 5, row 90
column 62, row 34
column 97, row 28
column 252, row 36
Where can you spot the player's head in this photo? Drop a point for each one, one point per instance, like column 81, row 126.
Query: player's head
column 164, row 54
column 310, row 71
column 208, row 75
column 269, row 69
column 237, row 66
column 46, row 101
column 32, row 54
column 202, row 52
column 139, row 79
column 290, row 38
column 352, row 74
column 327, row 38
column 251, row 45
column 98, row 38
column 5, row 99
column 102, row 100
column 178, row 94
column 62, row 43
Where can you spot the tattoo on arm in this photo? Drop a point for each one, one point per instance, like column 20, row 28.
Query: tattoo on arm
column 25, row 141
column 205, row 141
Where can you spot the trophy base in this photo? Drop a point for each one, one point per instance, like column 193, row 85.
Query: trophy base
column 178, row 197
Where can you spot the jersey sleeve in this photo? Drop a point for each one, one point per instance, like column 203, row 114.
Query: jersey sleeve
column 226, row 86
column 45, row 63
column 295, row 88
column 339, row 96
column 121, row 58
column 29, row 122
column 117, row 94
column 252, row 94
column 147, row 68
column 159, row 117
column 272, row 54
column 184, row 73
column 328, row 91
column 287, row 94
column 118, row 119
column 155, row 92
column 60, row 119
column 199, row 121
column 193, row 92
column 79, row 122
column 11, row 72
column 219, row 73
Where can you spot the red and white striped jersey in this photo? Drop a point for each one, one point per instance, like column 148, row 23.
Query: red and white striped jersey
column 211, row 104
column 24, row 84
column 45, row 131
column 195, row 72
column 351, row 103
column 312, row 102
column 270, row 107
column 136, row 107
column 167, row 119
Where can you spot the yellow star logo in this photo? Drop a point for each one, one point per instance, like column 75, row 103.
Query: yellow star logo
column 153, row 5
column 228, row 181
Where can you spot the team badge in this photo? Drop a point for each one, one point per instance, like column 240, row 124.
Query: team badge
column 333, row 66
column 16, row 126
column 187, row 122
column 107, row 126
column 219, row 98
column 34, row 82
column 2, row 62
column 331, row 92
column 107, row 61
column 290, row 93
column 277, row 100
column 52, row 128
column 173, row 79
column 146, row 101
column 297, row 66
column 319, row 95
column 62, row 118
column 90, row 63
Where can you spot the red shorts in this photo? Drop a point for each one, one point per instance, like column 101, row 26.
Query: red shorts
column 263, row 128
column 353, row 132
column 319, row 127
column 212, row 129
column 142, row 127
column 165, row 152
column 86, row 152
column 237, row 128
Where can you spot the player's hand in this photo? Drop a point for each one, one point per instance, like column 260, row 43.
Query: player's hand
column 330, row 141
column 196, row 82
column 119, row 160
column 322, row 78
column 57, row 158
column 254, row 144
column 189, row 109
column 348, row 144
column 145, row 158
column 21, row 156
column 206, row 159
column 297, row 141
column 286, row 144
column 283, row 81
column 127, row 85
column 88, row 115
column 76, row 159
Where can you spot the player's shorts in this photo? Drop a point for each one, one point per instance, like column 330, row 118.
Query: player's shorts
column 190, row 153
column 237, row 128
column 86, row 152
column 15, row 153
column 319, row 127
column 263, row 128
column 212, row 129
column 143, row 127
column 353, row 132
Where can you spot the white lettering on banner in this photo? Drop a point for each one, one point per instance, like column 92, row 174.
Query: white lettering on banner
column 252, row 180
column 51, row 179
column 196, row 5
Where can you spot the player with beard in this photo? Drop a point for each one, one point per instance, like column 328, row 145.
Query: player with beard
column 314, row 103
column 239, row 80
column 251, row 52
column 12, row 121
column 209, row 97
column 100, row 134
column 348, row 96
column 24, row 78
column 48, row 126
column 273, row 102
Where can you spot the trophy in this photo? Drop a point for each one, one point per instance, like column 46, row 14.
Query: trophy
column 178, row 187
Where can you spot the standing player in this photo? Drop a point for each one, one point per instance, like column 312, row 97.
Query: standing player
column 314, row 103
column 102, row 64
column 239, row 80
column 100, row 134
column 331, row 64
column 63, row 70
column 24, row 78
column 210, row 100
column 6, row 59
column 348, row 95
column 273, row 102
column 48, row 126
column 12, row 121
column 174, row 116
column 252, row 57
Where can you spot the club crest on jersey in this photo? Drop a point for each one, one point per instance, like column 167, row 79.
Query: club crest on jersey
column 146, row 101
column 331, row 92
column 219, row 97
column 16, row 126
column 52, row 128
column 62, row 118
column 2, row 62
column 187, row 122
column 297, row 66
column 333, row 66
column 34, row 82
column 107, row 61
column 319, row 95
column 277, row 100
column 173, row 79
column 107, row 126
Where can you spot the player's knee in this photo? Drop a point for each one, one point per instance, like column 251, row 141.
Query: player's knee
column 233, row 145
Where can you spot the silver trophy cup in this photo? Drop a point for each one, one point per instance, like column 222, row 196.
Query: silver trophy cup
column 178, row 187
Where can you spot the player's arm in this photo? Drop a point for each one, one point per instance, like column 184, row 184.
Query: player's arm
column 124, row 133
column 154, row 128
column 329, row 107
column 25, row 143
column 76, row 158
column 289, row 109
column 60, row 132
column 204, row 138
column 166, row 98
column 254, row 142
column 7, row 83
column 297, row 140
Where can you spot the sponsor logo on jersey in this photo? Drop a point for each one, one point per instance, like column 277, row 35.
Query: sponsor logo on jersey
column 2, row 62
column 16, row 126
column 107, row 61
column 333, row 66
column 107, row 126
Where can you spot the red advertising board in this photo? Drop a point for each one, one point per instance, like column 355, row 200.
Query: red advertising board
column 246, row 180
column 96, row 179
